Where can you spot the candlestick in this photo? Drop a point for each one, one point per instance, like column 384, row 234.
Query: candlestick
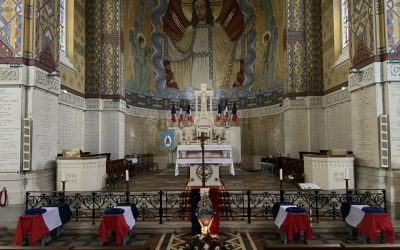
column 280, row 174
column 127, row 175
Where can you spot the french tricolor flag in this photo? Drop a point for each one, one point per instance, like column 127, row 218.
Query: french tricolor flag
column 173, row 113
column 218, row 118
column 189, row 113
column 226, row 112
column 180, row 118
column 234, row 111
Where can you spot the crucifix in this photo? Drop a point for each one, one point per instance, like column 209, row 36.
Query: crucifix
column 202, row 139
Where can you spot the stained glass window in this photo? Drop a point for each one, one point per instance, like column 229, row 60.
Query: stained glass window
column 63, row 26
column 344, row 11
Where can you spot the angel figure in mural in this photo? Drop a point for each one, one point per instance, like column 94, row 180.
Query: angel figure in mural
column 139, row 56
column 205, row 49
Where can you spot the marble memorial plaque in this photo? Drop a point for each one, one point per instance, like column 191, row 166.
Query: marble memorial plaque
column 10, row 129
column 365, row 127
column 44, row 126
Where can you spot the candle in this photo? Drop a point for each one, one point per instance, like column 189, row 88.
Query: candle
column 280, row 174
column 346, row 173
column 127, row 175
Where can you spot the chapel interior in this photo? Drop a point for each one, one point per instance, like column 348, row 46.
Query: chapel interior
column 138, row 98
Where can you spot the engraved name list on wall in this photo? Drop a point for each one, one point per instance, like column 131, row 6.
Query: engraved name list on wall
column 10, row 129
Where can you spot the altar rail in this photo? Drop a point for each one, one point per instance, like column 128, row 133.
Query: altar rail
column 244, row 205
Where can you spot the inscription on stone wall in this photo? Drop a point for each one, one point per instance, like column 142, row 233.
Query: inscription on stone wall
column 70, row 128
column 365, row 128
column 10, row 129
column 44, row 123
column 394, row 119
column 92, row 132
column 109, row 133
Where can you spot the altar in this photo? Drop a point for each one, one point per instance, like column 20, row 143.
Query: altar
column 221, row 143
column 215, row 155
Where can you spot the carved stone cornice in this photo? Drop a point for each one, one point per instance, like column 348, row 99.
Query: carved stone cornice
column 92, row 104
column 114, row 105
column 294, row 104
column 336, row 97
column 368, row 75
column 8, row 74
column 43, row 81
column 263, row 111
column 71, row 100
column 148, row 113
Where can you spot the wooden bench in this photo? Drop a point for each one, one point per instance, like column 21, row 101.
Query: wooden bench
column 115, row 167
column 145, row 162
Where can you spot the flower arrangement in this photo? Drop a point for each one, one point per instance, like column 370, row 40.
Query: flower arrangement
column 206, row 242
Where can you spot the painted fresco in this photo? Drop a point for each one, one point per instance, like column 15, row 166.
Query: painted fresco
column 171, row 47
column 46, row 49
column 10, row 28
column 393, row 25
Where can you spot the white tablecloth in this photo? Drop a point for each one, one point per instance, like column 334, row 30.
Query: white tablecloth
column 128, row 215
column 280, row 218
column 355, row 215
column 52, row 217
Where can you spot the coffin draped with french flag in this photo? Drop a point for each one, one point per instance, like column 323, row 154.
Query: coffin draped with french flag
column 40, row 221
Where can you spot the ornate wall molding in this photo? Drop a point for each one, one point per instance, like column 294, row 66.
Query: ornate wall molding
column 335, row 98
column 263, row 111
column 368, row 75
column 314, row 101
column 71, row 100
column 293, row 104
column 92, row 104
column 45, row 82
column 8, row 74
column 113, row 105
column 148, row 113
column 391, row 71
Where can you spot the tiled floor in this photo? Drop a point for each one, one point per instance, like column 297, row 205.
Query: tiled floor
column 240, row 240
column 165, row 180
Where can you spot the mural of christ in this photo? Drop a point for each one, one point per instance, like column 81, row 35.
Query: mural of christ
column 205, row 49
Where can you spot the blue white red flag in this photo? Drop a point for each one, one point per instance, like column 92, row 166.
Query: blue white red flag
column 189, row 114
column 234, row 113
column 180, row 118
column 226, row 112
column 218, row 118
column 173, row 113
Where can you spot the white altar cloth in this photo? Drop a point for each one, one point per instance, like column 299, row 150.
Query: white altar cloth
column 207, row 160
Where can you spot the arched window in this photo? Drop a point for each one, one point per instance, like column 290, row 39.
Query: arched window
column 344, row 15
column 66, row 29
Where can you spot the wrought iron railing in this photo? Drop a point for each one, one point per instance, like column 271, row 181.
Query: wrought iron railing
column 235, row 205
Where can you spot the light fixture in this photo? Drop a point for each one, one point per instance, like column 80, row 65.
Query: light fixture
column 53, row 74
column 355, row 71
column 64, row 91
column 344, row 88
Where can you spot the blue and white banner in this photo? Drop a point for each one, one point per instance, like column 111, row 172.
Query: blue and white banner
column 167, row 139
